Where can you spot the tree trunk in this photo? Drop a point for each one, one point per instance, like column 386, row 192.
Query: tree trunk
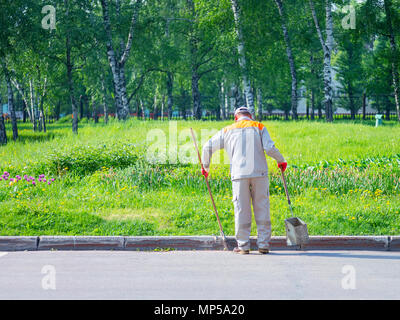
column 260, row 104
column 24, row 113
column 40, row 121
column 170, row 101
column 351, row 101
column 69, row 66
column 222, row 101
column 312, row 87
column 105, row 108
column 196, row 96
column 193, row 46
column 3, row 135
column 81, row 107
column 117, row 63
column 142, row 110
column 364, row 105
column 94, row 112
column 394, row 55
column 286, row 114
column 242, row 58
column 21, row 91
column 137, row 109
column 327, row 49
column 162, row 107
column 155, row 107
column 124, row 110
column 290, row 58
column 387, row 108
column 226, row 108
column 43, row 116
column 237, row 100
column 312, row 105
column 57, row 110
column 11, row 108
column 71, row 88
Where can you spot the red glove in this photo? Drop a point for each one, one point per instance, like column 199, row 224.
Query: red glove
column 282, row 166
column 204, row 172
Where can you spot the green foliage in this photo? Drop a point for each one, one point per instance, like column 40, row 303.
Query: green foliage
column 84, row 160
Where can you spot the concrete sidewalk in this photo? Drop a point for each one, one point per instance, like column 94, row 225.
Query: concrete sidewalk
column 200, row 275
column 9, row 243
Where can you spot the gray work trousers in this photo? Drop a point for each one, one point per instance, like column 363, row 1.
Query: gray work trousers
column 253, row 191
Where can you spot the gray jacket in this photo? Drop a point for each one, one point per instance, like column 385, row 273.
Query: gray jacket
column 245, row 142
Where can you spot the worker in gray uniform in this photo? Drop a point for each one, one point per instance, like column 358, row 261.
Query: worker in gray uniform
column 245, row 142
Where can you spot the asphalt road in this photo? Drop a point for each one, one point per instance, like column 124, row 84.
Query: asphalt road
column 199, row 275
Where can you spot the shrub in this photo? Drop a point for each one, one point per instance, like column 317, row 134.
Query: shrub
column 84, row 160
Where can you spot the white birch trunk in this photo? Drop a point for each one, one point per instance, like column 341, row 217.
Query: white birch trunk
column 21, row 91
column 290, row 58
column 395, row 62
column 242, row 58
column 32, row 104
column 260, row 104
column 223, row 102
column 117, row 61
column 327, row 47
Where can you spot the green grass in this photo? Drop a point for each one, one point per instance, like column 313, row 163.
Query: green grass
column 344, row 179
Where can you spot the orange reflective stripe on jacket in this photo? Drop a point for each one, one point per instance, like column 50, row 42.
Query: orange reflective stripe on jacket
column 244, row 124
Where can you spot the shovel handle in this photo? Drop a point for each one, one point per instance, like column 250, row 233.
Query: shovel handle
column 286, row 191
column 209, row 192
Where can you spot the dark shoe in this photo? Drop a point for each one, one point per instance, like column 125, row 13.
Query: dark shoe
column 263, row 251
column 240, row 251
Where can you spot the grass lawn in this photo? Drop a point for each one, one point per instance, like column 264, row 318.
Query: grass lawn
column 344, row 179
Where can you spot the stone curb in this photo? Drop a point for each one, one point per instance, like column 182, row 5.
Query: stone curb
column 395, row 243
column 18, row 243
column 149, row 243
column 80, row 243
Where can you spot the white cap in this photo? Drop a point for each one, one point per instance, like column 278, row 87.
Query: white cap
column 242, row 110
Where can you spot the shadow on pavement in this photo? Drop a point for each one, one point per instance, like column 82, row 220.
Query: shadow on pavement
column 370, row 255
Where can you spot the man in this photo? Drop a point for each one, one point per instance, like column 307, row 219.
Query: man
column 245, row 142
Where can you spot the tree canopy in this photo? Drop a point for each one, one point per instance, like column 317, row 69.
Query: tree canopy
column 128, row 58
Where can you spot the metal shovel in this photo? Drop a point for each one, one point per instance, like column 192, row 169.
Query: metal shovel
column 296, row 229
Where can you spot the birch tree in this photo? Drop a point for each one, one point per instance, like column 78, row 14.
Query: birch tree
column 242, row 57
column 394, row 54
column 327, row 46
column 289, row 56
column 3, row 134
column 10, row 95
column 118, row 58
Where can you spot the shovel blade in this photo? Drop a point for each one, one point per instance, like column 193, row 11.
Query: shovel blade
column 296, row 232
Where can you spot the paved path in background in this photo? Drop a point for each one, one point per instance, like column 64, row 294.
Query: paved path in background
column 199, row 275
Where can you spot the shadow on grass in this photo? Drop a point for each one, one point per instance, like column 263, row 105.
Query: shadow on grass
column 36, row 137
column 34, row 221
